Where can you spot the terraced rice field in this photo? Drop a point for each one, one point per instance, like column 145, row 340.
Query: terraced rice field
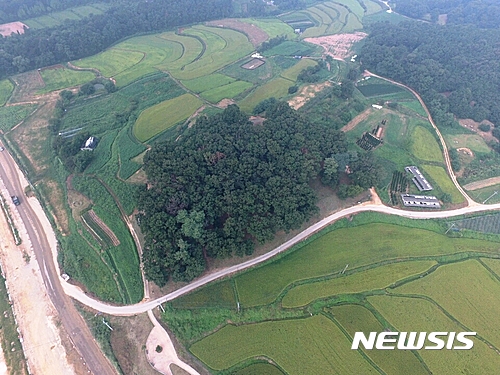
column 62, row 78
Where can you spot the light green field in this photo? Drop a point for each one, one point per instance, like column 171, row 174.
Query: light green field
column 164, row 115
column 354, row 6
column 465, row 290
column 287, row 343
column 424, row 145
column 372, row 7
column 414, row 105
column 493, row 264
column 214, row 295
column 259, row 369
column 208, row 82
column 473, row 141
column 353, row 23
column 62, row 78
column 276, row 88
column 112, row 61
column 417, row 315
column 223, row 46
column 295, row 70
column 376, row 278
column 57, row 18
column 6, row 88
column 190, row 49
column 359, row 246
column 355, row 318
column 272, row 27
column 481, row 195
column 227, row 91
column 441, row 178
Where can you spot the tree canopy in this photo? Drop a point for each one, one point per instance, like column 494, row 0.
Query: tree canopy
column 455, row 68
column 228, row 184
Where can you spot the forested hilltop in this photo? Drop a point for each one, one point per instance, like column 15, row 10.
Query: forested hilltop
column 482, row 13
column 229, row 184
column 455, row 68
column 81, row 38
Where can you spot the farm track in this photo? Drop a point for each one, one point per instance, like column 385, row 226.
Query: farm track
column 104, row 227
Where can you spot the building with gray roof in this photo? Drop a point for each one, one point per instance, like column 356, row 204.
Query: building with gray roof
column 418, row 179
column 424, row 201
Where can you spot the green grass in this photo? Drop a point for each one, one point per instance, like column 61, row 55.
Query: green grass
column 220, row 294
column 493, row 264
column 128, row 149
column 207, row 82
column 375, row 278
column 473, row 141
column 379, row 89
column 290, row 48
column 6, row 88
column 272, row 27
column 259, row 369
column 441, row 178
column 424, row 145
column 372, row 7
column 452, row 284
column 162, row 116
column 292, row 73
column 277, row 88
column 355, row 318
column 12, row 115
column 112, row 61
column 359, row 246
column 417, row 315
column 227, row 91
column 96, row 231
column 286, row 343
column 256, row 76
column 354, row 6
column 352, row 24
column 415, row 106
column 62, row 78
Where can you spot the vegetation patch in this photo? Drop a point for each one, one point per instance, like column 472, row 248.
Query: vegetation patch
column 373, row 278
column 221, row 294
column 441, row 179
column 290, row 48
column 207, row 82
column 356, row 318
column 379, row 89
column 482, row 224
column 12, row 115
column 163, row 116
column 359, row 246
column 272, row 27
column 100, row 230
column 276, row 88
column 283, row 342
column 424, row 145
column 293, row 72
column 61, row 78
column 476, row 286
column 112, row 61
column 227, row 91
column 6, row 88
column 473, row 142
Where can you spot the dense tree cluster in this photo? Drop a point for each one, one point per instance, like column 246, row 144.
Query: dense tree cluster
column 228, row 184
column 482, row 13
column 456, row 69
column 273, row 42
column 81, row 38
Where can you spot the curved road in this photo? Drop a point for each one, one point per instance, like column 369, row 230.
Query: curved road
column 72, row 321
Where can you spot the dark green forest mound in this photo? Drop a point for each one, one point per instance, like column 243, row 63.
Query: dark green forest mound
column 455, row 68
column 482, row 13
column 229, row 184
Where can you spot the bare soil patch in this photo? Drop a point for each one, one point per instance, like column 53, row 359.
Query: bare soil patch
column 306, row 93
column 474, row 126
column 466, row 151
column 253, row 64
column 224, row 103
column 442, row 19
column 483, row 183
column 338, row 46
column 255, row 35
column 356, row 120
column 12, row 28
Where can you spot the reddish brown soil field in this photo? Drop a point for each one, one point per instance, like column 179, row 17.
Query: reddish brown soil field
column 14, row 27
column 338, row 46
column 255, row 35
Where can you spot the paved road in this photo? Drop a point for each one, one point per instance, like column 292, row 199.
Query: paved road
column 142, row 307
column 71, row 320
